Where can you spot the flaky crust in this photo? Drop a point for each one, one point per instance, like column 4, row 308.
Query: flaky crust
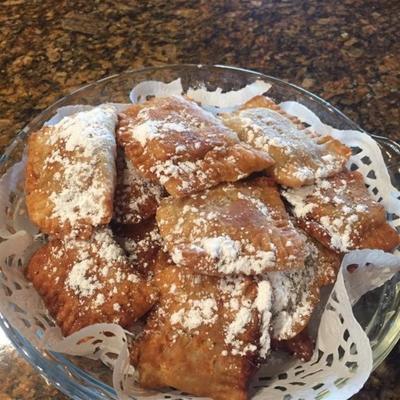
column 297, row 293
column 301, row 156
column 175, row 142
column 136, row 198
column 108, row 290
column 342, row 215
column 233, row 228
column 69, row 182
column 197, row 360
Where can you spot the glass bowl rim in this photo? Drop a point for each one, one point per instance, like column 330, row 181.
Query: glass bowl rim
column 297, row 88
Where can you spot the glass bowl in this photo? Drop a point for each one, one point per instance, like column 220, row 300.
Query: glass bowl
column 378, row 311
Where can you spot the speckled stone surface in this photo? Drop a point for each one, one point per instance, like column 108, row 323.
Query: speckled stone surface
column 348, row 52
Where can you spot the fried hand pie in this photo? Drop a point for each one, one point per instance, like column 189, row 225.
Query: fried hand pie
column 136, row 198
column 70, row 173
column 340, row 213
column 234, row 228
column 301, row 155
column 296, row 293
column 206, row 334
column 88, row 282
column 175, row 142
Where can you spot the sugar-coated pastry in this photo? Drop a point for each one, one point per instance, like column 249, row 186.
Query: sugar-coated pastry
column 297, row 293
column 233, row 228
column 301, row 155
column 136, row 198
column 84, row 282
column 341, row 214
column 205, row 335
column 175, row 142
column 70, row 174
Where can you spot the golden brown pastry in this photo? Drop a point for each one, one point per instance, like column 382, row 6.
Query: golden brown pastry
column 141, row 242
column 233, row 228
column 301, row 156
column 205, row 335
column 341, row 214
column 297, row 293
column 84, row 282
column 301, row 346
column 173, row 141
column 136, row 198
column 70, row 174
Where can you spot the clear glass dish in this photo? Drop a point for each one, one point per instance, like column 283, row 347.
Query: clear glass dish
column 378, row 311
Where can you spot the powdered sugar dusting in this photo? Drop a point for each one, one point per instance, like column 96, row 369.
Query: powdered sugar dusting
column 244, row 311
column 231, row 312
column 145, row 131
column 341, row 220
column 79, row 281
column 95, row 262
column 182, row 171
column 275, row 128
column 184, row 147
column 263, row 303
column 136, row 198
column 83, row 153
column 150, row 129
column 237, row 326
column 296, row 293
column 199, row 312
column 222, row 248
column 297, row 199
column 299, row 155
column 230, row 230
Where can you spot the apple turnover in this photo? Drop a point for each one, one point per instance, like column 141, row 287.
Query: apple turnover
column 301, row 155
column 205, row 335
column 341, row 214
column 84, row 282
column 175, row 142
column 237, row 228
column 70, row 173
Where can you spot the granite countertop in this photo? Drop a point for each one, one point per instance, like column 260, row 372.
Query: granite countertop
column 348, row 52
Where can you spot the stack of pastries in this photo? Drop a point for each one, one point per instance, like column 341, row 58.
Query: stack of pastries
column 215, row 233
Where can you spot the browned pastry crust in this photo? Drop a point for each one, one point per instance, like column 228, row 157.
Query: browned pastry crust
column 70, row 173
column 173, row 141
column 297, row 293
column 142, row 243
column 340, row 213
column 193, row 339
column 88, row 282
column 136, row 198
column 301, row 346
column 233, row 228
column 300, row 154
